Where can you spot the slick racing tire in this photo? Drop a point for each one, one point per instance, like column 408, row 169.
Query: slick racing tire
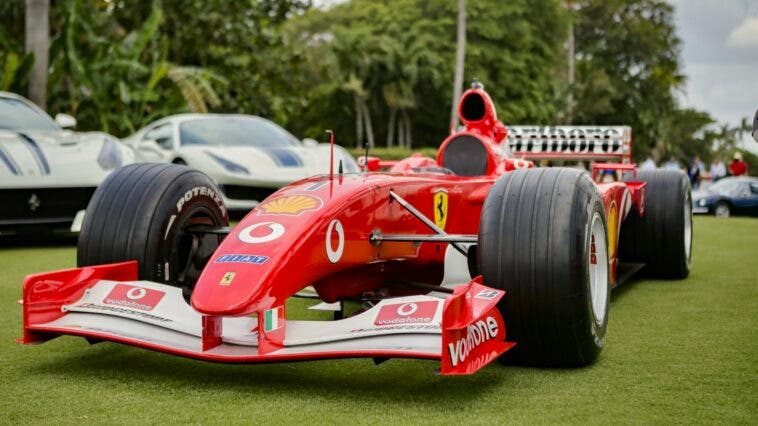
column 662, row 237
column 142, row 211
column 542, row 239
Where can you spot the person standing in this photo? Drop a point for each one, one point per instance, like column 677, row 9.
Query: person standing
column 648, row 164
column 672, row 164
column 738, row 167
column 717, row 170
column 695, row 171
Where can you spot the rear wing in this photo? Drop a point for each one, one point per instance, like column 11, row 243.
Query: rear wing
column 571, row 142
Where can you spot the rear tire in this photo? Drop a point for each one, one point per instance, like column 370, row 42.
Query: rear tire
column 662, row 237
column 141, row 211
column 539, row 233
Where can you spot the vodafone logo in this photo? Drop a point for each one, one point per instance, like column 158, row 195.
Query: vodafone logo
column 248, row 235
column 335, row 253
column 407, row 313
column 476, row 334
column 407, row 309
column 136, row 293
column 130, row 296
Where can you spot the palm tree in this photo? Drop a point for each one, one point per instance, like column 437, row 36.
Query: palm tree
column 409, row 57
column 125, row 84
column 571, row 60
column 460, row 58
column 38, row 43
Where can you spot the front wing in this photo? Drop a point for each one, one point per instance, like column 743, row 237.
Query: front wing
column 465, row 331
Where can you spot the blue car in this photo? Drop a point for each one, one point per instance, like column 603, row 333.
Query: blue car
column 728, row 196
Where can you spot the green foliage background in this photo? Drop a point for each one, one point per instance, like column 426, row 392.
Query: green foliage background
column 364, row 66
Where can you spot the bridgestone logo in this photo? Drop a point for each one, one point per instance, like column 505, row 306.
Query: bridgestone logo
column 200, row 191
column 145, row 315
column 476, row 334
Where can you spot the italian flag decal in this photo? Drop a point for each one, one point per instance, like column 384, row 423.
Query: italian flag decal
column 273, row 319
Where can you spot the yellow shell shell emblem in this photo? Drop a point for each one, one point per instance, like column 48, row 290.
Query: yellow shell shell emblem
column 293, row 205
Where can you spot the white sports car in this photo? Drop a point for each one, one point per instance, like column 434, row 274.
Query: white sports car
column 249, row 157
column 48, row 173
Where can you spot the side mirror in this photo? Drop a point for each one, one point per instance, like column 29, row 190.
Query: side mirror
column 66, row 121
column 372, row 164
column 755, row 127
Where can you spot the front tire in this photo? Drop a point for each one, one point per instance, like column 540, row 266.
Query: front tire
column 543, row 239
column 142, row 211
column 722, row 210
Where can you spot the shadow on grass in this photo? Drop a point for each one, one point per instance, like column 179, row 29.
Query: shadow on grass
column 412, row 381
column 38, row 241
column 620, row 292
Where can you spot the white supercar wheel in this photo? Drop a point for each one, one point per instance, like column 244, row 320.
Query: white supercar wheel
column 722, row 210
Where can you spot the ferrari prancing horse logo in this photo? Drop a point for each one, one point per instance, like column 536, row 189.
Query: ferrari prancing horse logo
column 227, row 278
column 440, row 207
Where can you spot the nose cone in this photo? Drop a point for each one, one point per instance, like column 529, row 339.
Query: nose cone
column 229, row 281
column 262, row 262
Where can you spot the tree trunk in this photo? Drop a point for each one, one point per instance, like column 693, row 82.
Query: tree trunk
column 571, row 58
column 38, row 43
column 460, row 57
column 358, row 122
column 391, row 128
column 367, row 121
column 400, row 132
column 407, row 130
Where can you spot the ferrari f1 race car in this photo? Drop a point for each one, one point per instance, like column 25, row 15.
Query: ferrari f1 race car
column 470, row 257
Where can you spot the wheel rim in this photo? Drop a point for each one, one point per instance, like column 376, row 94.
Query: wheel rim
column 598, row 268
column 687, row 227
column 722, row 210
column 189, row 253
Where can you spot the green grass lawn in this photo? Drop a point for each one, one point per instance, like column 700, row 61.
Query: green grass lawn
column 677, row 352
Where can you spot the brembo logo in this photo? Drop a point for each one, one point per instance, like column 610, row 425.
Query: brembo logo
column 476, row 334
column 407, row 313
column 130, row 296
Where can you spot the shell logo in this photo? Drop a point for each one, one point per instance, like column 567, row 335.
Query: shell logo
column 292, row 205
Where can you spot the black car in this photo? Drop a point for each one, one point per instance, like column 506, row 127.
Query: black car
column 728, row 196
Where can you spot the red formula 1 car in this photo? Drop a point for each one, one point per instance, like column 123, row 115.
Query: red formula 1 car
column 442, row 254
